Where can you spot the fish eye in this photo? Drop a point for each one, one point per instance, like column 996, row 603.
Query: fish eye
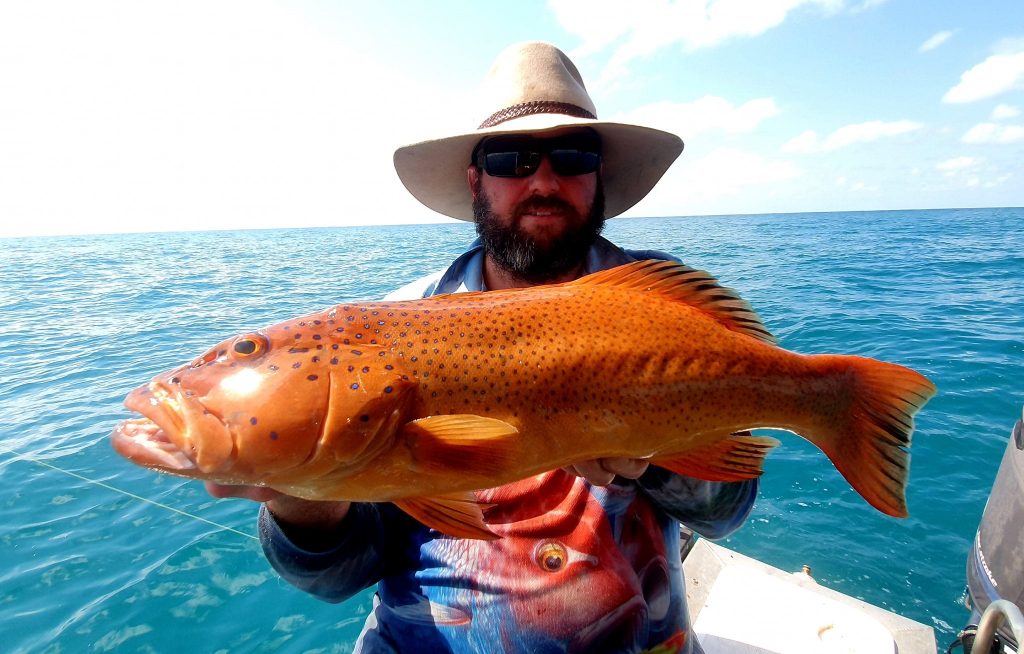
column 551, row 557
column 249, row 345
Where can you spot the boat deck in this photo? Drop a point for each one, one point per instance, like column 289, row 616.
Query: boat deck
column 739, row 605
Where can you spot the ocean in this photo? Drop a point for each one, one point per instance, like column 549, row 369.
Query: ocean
column 99, row 555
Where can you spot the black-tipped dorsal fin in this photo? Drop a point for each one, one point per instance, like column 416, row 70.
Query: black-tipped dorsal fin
column 682, row 283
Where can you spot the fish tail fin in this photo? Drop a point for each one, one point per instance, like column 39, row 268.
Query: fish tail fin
column 868, row 442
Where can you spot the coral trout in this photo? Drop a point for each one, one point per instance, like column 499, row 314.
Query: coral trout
column 422, row 402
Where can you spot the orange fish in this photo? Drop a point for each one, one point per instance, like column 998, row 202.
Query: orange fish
column 421, row 402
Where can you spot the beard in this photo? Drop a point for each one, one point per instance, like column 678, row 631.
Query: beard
column 526, row 258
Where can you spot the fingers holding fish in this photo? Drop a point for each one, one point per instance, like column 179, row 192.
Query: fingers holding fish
column 601, row 472
column 254, row 493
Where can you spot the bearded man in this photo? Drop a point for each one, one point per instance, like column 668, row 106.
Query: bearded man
column 587, row 559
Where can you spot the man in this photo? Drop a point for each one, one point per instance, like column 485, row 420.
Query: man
column 588, row 557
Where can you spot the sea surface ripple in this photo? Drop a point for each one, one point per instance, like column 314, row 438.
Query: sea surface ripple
column 103, row 556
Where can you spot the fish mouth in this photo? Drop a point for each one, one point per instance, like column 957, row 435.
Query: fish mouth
column 161, row 439
column 144, row 442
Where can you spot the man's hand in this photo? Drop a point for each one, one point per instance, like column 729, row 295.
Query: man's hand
column 601, row 472
column 254, row 493
column 289, row 511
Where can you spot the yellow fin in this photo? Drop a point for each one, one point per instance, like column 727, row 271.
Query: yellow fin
column 869, row 444
column 455, row 515
column 738, row 457
column 461, row 442
column 682, row 283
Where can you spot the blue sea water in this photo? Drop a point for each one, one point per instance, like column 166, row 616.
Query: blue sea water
column 99, row 555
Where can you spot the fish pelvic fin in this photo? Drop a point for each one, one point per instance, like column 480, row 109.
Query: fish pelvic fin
column 736, row 458
column 458, row 515
column 869, row 444
column 681, row 283
column 464, row 443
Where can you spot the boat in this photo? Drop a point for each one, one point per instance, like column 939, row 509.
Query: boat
column 791, row 613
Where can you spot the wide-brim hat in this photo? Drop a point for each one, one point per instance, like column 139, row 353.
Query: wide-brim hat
column 535, row 88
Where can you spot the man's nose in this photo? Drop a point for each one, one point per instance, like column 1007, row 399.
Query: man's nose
column 545, row 180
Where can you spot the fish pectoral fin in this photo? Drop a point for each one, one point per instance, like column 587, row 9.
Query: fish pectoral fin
column 738, row 457
column 461, row 443
column 458, row 515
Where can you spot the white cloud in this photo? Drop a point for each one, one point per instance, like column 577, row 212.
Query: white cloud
column 644, row 26
column 726, row 170
column 996, row 75
column 858, row 187
column 707, row 113
column 1003, row 111
column 808, row 143
column 145, row 116
column 867, row 5
column 993, row 133
column 725, row 180
column 867, row 132
column 935, row 41
column 998, row 181
column 805, row 143
column 956, row 163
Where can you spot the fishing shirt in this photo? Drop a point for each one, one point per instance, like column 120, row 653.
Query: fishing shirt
column 578, row 567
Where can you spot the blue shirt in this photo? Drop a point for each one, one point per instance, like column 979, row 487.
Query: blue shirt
column 578, row 568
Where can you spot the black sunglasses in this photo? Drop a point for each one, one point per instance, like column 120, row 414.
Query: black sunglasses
column 520, row 156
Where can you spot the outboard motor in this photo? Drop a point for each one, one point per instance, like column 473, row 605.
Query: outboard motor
column 995, row 566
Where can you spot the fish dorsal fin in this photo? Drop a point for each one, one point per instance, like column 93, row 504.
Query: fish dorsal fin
column 682, row 283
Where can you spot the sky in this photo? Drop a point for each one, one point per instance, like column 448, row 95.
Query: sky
column 140, row 116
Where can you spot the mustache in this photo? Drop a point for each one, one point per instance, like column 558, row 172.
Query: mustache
column 538, row 203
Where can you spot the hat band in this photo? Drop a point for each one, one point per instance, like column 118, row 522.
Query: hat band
column 535, row 107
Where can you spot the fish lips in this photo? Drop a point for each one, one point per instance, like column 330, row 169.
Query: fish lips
column 168, row 437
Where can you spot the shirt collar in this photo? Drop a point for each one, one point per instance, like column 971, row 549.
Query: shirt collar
column 466, row 273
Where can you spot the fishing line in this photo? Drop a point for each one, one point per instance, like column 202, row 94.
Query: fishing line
column 124, row 492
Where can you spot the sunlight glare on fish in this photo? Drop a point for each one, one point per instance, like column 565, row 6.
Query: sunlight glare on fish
column 243, row 383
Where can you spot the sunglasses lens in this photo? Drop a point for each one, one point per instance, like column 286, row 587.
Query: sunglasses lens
column 511, row 164
column 570, row 163
column 517, row 156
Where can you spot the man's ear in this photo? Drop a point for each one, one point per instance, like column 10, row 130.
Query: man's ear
column 473, row 179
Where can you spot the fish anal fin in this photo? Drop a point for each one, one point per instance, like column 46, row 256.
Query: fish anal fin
column 736, row 458
column 462, row 443
column 681, row 283
column 458, row 515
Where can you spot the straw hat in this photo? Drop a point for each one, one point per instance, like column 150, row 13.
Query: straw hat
column 535, row 88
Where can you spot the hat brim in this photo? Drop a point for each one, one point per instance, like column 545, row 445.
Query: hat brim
column 634, row 158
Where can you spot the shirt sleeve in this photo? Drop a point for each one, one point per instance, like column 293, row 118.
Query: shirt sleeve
column 714, row 509
column 360, row 558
